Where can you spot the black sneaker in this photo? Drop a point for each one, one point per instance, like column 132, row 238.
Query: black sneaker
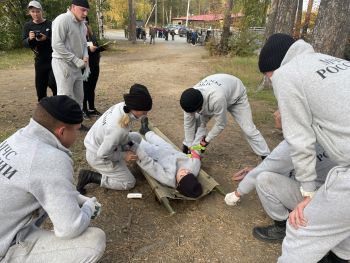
column 94, row 113
column 332, row 258
column 86, row 115
column 86, row 177
column 272, row 234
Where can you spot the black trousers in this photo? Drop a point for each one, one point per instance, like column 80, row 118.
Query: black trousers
column 89, row 88
column 44, row 77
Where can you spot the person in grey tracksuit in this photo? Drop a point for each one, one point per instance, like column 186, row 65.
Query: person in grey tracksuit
column 109, row 142
column 312, row 90
column 162, row 161
column 33, row 186
column 70, row 53
column 214, row 96
column 166, row 164
column 277, row 188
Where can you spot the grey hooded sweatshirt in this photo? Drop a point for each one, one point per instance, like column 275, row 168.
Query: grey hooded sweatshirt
column 69, row 39
column 313, row 93
column 36, row 172
column 106, row 137
column 162, row 161
column 279, row 161
column 220, row 92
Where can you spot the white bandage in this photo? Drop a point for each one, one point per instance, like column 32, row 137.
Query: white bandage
column 305, row 193
column 86, row 73
column 231, row 199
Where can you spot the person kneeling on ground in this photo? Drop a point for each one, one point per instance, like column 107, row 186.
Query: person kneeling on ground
column 167, row 165
column 108, row 142
column 276, row 186
column 36, row 181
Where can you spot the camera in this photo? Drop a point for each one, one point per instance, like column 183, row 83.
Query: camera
column 37, row 34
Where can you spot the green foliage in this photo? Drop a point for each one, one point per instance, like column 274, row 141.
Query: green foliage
column 15, row 57
column 244, row 43
column 213, row 46
column 246, row 69
column 14, row 13
column 254, row 12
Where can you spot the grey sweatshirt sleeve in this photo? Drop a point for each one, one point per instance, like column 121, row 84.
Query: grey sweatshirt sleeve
column 189, row 127
column 114, row 137
column 297, row 127
column 58, row 196
column 154, row 169
column 220, row 109
column 60, row 27
column 278, row 161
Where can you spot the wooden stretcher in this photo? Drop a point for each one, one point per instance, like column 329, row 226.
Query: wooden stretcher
column 164, row 193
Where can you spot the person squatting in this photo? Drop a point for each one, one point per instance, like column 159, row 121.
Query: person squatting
column 302, row 183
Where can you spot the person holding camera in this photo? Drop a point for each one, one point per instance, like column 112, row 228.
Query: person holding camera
column 37, row 36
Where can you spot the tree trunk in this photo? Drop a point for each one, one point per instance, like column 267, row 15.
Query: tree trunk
column 270, row 26
column 307, row 18
column 132, row 22
column 226, row 27
column 99, row 16
column 286, row 16
column 332, row 27
column 298, row 20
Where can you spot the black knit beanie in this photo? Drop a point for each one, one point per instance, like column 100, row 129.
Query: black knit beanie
column 82, row 3
column 63, row 108
column 191, row 100
column 189, row 186
column 273, row 52
column 138, row 98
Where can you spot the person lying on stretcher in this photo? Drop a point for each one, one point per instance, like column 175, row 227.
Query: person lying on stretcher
column 166, row 164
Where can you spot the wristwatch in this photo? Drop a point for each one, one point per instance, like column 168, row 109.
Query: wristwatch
column 306, row 194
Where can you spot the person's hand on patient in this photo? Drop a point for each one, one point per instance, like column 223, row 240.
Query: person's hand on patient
column 130, row 156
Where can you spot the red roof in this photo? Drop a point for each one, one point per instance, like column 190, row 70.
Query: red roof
column 209, row 17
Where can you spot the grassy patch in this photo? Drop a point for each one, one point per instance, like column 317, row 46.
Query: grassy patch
column 16, row 57
column 5, row 135
column 246, row 69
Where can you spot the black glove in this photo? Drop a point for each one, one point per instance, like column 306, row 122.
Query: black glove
column 185, row 149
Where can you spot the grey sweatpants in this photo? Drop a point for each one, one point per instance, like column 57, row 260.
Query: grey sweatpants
column 242, row 114
column 278, row 194
column 115, row 174
column 328, row 223
column 69, row 80
column 43, row 246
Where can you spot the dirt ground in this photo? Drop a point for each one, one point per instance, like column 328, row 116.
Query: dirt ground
column 201, row 231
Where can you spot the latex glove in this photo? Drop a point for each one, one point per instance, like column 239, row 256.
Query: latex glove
column 86, row 73
column 232, row 199
column 94, row 206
